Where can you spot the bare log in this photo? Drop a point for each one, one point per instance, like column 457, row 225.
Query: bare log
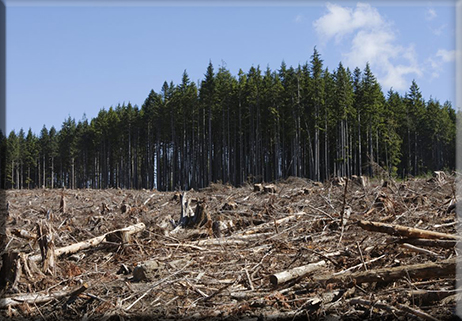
column 73, row 248
column 399, row 230
column 447, row 244
column 294, row 273
column 271, row 188
column 24, row 234
column 445, row 268
column 36, row 298
column 236, row 240
column 257, row 187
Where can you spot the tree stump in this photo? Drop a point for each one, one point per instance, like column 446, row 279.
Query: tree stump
column 9, row 271
column 147, row 271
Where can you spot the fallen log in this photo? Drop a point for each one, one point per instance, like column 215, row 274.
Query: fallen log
column 399, row 230
column 263, row 226
column 430, row 296
column 447, row 244
column 24, row 234
column 240, row 239
column 294, row 273
column 37, row 298
column 422, row 271
column 73, row 248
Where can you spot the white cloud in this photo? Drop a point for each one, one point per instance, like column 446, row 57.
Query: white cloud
column 446, row 55
column 430, row 14
column 371, row 39
column 442, row 56
column 340, row 21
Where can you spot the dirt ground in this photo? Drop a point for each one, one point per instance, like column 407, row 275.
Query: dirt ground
column 337, row 266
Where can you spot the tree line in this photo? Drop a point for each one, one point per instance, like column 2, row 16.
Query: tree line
column 261, row 125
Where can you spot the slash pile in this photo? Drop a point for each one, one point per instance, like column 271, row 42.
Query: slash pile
column 347, row 249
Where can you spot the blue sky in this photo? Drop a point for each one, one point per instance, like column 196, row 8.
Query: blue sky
column 71, row 60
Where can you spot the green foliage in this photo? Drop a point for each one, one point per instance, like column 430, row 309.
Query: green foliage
column 261, row 125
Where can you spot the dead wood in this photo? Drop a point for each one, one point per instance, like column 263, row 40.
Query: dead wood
column 421, row 250
column 37, row 298
column 9, row 270
column 257, row 187
column 399, row 309
column 73, row 248
column 63, row 204
column 284, row 276
column 270, row 188
column 24, row 234
column 270, row 224
column 47, row 246
column 231, row 257
column 404, row 231
column 417, row 312
column 147, row 271
column 447, row 244
column 430, row 296
column 421, row 271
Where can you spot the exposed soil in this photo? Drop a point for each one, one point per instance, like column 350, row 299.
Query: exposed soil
column 203, row 273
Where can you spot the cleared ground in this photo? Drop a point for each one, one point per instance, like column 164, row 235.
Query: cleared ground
column 163, row 272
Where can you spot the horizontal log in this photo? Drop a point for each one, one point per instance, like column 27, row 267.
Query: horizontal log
column 294, row 273
column 270, row 224
column 24, row 234
column 399, row 230
column 73, row 248
column 447, row 244
column 430, row 296
column 429, row 270
column 37, row 298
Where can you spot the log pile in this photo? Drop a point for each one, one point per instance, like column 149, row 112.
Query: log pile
column 347, row 249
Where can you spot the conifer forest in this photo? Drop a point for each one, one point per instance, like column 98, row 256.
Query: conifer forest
column 262, row 125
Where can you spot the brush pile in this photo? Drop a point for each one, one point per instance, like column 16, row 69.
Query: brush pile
column 347, row 249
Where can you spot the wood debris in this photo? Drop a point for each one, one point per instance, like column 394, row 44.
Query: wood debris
column 349, row 248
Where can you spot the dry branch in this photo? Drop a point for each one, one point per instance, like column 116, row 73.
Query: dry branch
column 399, row 230
column 294, row 273
column 417, row 312
column 73, row 248
column 420, row 250
column 423, row 271
column 224, row 269
column 272, row 223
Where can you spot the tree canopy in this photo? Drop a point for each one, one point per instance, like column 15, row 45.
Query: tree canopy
column 257, row 126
